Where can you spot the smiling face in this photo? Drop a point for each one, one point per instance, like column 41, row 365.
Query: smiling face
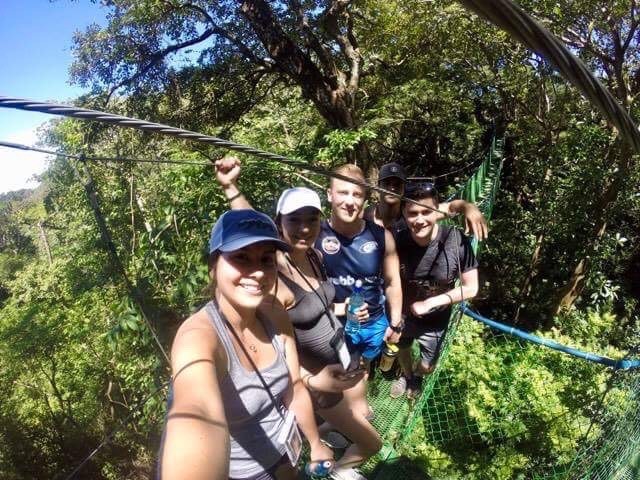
column 347, row 200
column 421, row 220
column 245, row 276
column 301, row 228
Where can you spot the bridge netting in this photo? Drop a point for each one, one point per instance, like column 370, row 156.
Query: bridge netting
column 499, row 406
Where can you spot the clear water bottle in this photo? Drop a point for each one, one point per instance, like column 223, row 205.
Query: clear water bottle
column 355, row 302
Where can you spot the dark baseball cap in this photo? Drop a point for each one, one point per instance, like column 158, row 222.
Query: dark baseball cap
column 390, row 170
column 237, row 229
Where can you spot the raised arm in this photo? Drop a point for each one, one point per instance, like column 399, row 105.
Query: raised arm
column 196, row 443
column 473, row 218
column 227, row 173
column 393, row 288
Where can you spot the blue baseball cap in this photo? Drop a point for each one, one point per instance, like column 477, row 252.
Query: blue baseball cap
column 237, row 229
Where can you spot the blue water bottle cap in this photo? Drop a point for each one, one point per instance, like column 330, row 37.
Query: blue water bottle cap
column 319, row 469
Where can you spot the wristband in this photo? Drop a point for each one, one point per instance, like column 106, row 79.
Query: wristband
column 237, row 195
column 397, row 328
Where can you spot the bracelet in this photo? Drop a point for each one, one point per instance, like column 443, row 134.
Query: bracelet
column 305, row 381
column 449, row 297
column 237, row 195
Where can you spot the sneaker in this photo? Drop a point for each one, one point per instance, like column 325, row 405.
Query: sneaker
column 414, row 387
column 398, row 387
column 342, row 473
column 335, row 440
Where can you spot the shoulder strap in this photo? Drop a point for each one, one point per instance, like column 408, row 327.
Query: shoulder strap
column 215, row 317
column 316, row 264
column 244, row 350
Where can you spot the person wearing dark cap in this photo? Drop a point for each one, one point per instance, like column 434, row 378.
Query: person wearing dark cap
column 387, row 212
column 237, row 399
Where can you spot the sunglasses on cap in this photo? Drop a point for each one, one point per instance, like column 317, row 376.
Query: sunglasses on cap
column 420, row 190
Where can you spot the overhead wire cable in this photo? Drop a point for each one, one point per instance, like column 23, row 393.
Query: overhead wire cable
column 108, row 437
column 132, row 289
column 468, row 166
column 122, row 121
column 99, row 158
column 531, row 33
column 82, row 158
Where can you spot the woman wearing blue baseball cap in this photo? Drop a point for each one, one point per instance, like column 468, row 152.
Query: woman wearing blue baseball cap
column 237, row 398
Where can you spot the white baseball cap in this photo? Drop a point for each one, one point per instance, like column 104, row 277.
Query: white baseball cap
column 293, row 199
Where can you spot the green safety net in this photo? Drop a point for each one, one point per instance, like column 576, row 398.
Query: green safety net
column 495, row 407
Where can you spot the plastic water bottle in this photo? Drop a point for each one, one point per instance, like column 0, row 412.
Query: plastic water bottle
column 355, row 302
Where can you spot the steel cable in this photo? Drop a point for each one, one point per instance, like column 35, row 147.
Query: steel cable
column 524, row 28
column 119, row 120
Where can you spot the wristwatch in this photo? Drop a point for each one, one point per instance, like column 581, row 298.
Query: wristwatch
column 397, row 328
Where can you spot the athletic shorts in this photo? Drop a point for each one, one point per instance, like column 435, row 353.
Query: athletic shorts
column 370, row 339
column 429, row 339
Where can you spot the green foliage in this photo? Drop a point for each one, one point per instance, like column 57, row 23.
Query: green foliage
column 509, row 409
column 340, row 142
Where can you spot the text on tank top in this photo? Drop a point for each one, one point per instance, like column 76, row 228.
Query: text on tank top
column 358, row 258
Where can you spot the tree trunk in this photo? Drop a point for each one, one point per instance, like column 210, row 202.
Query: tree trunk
column 574, row 287
column 332, row 99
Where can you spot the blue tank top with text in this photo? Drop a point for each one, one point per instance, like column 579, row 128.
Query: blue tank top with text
column 349, row 259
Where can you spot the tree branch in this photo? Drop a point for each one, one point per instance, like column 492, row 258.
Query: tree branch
column 347, row 42
column 324, row 56
column 158, row 57
column 632, row 28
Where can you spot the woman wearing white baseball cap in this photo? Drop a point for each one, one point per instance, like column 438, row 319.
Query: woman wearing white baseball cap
column 307, row 295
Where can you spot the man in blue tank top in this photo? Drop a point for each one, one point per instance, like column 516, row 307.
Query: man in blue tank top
column 356, row 249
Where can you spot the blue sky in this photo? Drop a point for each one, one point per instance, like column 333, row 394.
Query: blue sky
column 36, row 38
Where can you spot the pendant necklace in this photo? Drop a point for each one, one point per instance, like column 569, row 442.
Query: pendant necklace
column 252, row 346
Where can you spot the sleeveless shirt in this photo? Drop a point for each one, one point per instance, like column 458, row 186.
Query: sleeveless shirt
column 311, row 323
column 349, row 259
column 254, row 419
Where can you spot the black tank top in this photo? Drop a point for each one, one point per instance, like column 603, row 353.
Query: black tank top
column 311, row 323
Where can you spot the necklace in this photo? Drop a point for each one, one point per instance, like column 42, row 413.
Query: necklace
column 239, row 335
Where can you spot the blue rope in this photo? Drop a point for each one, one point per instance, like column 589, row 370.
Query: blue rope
column 623, row 364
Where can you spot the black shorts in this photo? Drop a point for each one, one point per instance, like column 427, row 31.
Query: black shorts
column 429, row 338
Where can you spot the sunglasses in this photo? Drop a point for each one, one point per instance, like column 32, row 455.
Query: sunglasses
column 421, row 189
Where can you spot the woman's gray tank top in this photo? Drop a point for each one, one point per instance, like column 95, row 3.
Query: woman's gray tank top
column 254, row 421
